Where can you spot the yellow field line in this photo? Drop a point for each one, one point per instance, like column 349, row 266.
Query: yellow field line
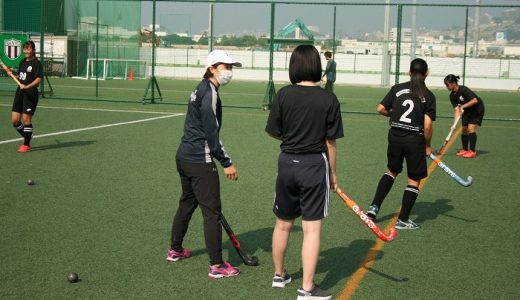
column 354, row 281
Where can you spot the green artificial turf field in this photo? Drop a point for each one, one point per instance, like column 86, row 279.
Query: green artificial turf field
column 106, row 190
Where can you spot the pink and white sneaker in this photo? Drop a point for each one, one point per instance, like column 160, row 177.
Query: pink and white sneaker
column 173, row 255
column 223, row 270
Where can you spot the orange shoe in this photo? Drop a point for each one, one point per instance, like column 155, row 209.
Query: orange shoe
column 23, row 149
column 461, row 152
column 470, row 154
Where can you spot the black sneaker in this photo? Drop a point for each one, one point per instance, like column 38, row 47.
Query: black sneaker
column 280, row 281
column 372, row 212
column 316, row 293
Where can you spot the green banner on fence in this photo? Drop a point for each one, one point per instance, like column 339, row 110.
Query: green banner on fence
column 12, row 48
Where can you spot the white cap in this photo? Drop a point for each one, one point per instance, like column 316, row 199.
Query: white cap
column 221, row 56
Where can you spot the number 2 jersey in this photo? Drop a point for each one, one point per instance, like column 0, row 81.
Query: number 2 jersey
column 407, row 111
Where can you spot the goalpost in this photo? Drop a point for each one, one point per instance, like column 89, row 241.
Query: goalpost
column 110, row 68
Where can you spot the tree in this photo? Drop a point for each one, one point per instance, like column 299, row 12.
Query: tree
column 240, row 41
column 174, row 39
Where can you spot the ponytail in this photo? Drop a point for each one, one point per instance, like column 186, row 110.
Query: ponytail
column 451, row 79
column 418, row 72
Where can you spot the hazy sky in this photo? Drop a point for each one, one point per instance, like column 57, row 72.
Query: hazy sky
column 254, row 18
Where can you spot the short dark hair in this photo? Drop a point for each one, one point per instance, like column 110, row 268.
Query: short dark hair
column 305, row 64
column 328, row 54
column 30, row 44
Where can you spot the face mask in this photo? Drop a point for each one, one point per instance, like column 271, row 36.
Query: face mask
column 224, row 76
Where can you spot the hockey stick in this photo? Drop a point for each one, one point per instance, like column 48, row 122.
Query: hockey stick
column 361, row 214
column 249, row 260
column 10, row 73
column 453, row 175
column 452, row 129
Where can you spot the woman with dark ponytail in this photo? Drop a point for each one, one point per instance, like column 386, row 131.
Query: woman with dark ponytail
column 471, row 109
column 411, row 108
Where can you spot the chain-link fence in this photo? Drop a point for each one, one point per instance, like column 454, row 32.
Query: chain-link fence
column 373, row 43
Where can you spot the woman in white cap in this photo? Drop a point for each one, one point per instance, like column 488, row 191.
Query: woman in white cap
column 200, row 146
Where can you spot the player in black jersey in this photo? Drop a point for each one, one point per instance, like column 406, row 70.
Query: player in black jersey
column 466, row 103
column 411, row 108
column 307, row 120
column 30, row 75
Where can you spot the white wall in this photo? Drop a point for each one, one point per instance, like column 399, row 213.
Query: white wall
column 491, row 74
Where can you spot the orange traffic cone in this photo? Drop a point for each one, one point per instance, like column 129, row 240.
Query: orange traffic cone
column 131, row 75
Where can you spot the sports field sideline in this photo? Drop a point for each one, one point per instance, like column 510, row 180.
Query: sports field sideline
column 106, row 190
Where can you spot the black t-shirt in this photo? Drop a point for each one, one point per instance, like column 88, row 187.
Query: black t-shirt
column 304, row 117
column 407, row 111
column 463, row 96
column 29, row 70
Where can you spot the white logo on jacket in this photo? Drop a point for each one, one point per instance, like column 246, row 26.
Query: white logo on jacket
column 193, row 96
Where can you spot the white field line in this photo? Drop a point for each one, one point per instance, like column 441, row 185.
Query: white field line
column 186, row 92
column 99, row 109
column 92, row 128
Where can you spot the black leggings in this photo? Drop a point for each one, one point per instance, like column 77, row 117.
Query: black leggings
column 200, row 187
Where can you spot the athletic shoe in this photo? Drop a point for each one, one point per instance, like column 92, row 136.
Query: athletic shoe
column 406, row 225
column 280, row 281
column 470, row 154
column 175, row 256
column 372, row 212
column 23, row 149
column 316, row 293
column 461, row 152
column 223, row 270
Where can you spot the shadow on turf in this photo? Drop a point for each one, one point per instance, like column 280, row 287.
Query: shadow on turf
column 338, row 263
column 58, row 144
column 427, row 211
column 251, row 242
column 389, row 277
column 341, row 262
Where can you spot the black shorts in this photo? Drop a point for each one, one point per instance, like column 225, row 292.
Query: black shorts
column 411, row 146
column 302, row 187
column 25, row 101
column 473, row 116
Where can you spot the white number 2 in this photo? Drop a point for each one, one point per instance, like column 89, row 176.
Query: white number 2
column 404, row 117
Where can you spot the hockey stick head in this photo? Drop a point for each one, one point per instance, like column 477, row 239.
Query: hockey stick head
column 451, row 173
column 250, row 260
column 468, row 181
column 391, row 236
column 366, row 220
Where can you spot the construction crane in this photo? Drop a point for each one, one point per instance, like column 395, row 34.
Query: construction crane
column 289, row 28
